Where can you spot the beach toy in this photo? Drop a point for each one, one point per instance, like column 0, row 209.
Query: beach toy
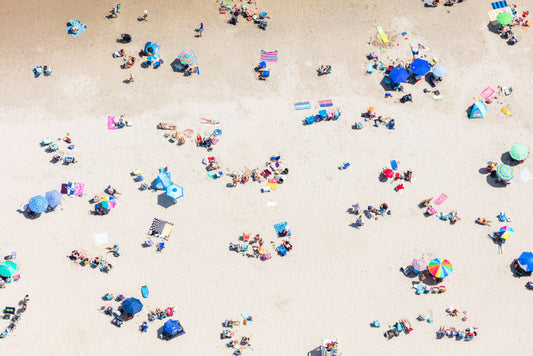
column 144, row 291
column 217, row 132
column 382, row 34
column 506, row 111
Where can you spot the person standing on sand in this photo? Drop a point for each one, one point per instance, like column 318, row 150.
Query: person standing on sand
column 145, row 15
column 118, row 7
column 131, row 80
column 201, row 29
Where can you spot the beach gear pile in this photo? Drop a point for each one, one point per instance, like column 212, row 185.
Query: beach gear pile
column 283, row 231
column 209, row 141
column 9, row 315
column 452, row 332
column 257, row 17
column 504, row 18
column 387, row 173
column 400, row 326
column 273, row 174
column 9, row 270
column 323, row 115
column 230, row 332
column 371, row 115
column 370, row 213
column 52, row 146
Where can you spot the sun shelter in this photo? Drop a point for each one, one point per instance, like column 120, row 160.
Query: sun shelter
column 174, row 192
column 54, row 198
column 151, row 47
column 420, row 66
column 479, row 109
column 132, row 305
column 438, row 71
column 440, row 268
column 504, row 172
column 38, row 204
column 525, row 261
column 398, row 75
column 187, row 57
column 518, row 152
column 8, row 268
column 171, row 329
column 162, row 182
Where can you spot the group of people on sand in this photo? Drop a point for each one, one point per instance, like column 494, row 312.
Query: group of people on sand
column 160, row 313
column 95, row 262
column 379, row 120
column 371, row 212
column 229, row 333
column 450, row 332
column 273, row 173
column 435, row 3
column 452, row 216
column 256, row 17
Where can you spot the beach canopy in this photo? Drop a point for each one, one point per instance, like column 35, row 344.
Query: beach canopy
column 108, row 202
column 398, row 75
column 518, row 152
column 162, row 182
column 54, row 198
column 440, row 268
column 526, row 261
column 8, row 268
column 479, row 109
column 187, row 57
column 38, row 204
column 174, row 191
column 420, row 66
column 172, row 328
column 504, row 18
column 151, row 47
column 504, row 172
column 132, row 305
column 505, row 232
column 438, row 71
column 419, row 264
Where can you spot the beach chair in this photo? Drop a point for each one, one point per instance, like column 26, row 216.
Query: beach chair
column 138, row 178
column 245, row 236
column 370, row 68
column 53, row 147
column 143, row 186
column 323, row 114
column 264, row 75
column 222, row 10
column 69, row 160
column 282, row 250
column 46, row 141
column 117, row 322
column 310, row 119
column 160, row 246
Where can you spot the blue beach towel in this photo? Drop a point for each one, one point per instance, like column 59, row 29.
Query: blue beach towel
column 144, row 291
column 76, row 23
column 280, row 227
column 394, row 165
column 499, row 4
column 303, row 105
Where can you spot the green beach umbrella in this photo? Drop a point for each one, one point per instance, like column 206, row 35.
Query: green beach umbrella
column 518, row 152
column 504, row 18
column 8, row 268
column 504, row 172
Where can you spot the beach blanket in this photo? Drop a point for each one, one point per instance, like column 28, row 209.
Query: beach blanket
column 160, row 228
column 394, row 165
column 325, row 103
column 111, row 125
column 81, row 27
column 499, row 4
column 280, row 227
column 269, row 56
column 506, row 111
column 100, row 239
column 78, row 189
column 440, row 199
column 68, row 188
column 485, row 94
column 493, row 14
column 525, row 175
column 302, row 105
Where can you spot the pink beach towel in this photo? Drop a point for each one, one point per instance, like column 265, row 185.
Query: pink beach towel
column 111, row 123
column 78, row 190
column 440, row 199
column 485, row 94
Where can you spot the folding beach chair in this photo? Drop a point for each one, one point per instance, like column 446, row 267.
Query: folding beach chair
column 160, row 246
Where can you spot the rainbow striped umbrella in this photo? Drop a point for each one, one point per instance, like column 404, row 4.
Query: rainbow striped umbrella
column 440, row 268
column 504, row 172
column 187, row 57
column 506, row 232
column 108, row 202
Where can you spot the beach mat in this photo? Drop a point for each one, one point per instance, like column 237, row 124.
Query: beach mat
column 485, row 94
column 499, row 4
column 78, row 189
column 525, row 175
column 394, row 165
column 81, row 27
column 159, row 228
column 302, row 105
column 506, row 111
column 111, row 123
column 269, row 56
column 440, row 199
column 325, row 103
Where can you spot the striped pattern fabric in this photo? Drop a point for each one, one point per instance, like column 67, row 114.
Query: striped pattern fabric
column 160, row 228
column 325, row 103
column 303, row 105
column 269, row 56
column 525, row 175
column 499, row 4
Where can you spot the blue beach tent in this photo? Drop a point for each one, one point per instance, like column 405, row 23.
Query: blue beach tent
column 151, row 47
column 479, row 109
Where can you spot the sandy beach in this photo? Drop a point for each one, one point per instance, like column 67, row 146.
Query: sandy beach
column 338, row 278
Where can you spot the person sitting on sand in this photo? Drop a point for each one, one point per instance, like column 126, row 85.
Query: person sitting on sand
column 96, row 199
column 213, row 165
column 483, row 221
column 256, row 175
column 74, row 255
column 454, row 218
column 426, row 202
column 181, row 140
column 415, row 51
column 256, row 238
column 246, row 177
column 356, row 209
column 112, row 249
column 112, row 191
column 359, row 221
column 491, row 166
column 175, row 135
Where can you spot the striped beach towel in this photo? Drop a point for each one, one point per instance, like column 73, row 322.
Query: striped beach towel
column 440, row 199
column 525, row 175
column 325, row 103
column 499, row 4
column 302, row 105
column 160, row 228
column 269, row 56
column 485, row 94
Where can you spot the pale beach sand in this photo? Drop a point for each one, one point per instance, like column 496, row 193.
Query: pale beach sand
column 337, row 279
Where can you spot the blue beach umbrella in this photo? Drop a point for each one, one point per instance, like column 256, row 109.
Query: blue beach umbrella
column 151, row 47
column 504, row 172
column 398, row 75
column 54, row 198
column 526, row 261
column 132, row 305
column 38, row 204
column 174, row 191
column 420, row 66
